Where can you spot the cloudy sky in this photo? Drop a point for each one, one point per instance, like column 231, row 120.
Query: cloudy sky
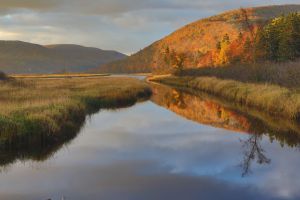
column 123, row 25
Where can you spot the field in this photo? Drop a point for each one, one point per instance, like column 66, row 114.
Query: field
column 45, row 109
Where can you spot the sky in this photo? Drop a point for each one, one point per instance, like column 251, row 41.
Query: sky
column 123, row 25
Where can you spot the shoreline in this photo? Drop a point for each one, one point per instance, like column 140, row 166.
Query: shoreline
column 275, row 100
column 29, row 125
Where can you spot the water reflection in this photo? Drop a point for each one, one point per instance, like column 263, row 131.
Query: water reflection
column 41, row 147
column 205, row 109
column 253, row 151
column 153, row 152
column 34, row 147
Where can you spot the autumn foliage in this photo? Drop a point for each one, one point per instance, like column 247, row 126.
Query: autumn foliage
column 217, row 41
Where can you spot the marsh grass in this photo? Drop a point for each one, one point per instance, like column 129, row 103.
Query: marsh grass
column 275, row 100
column 231, row 115
column 283, row 74
column 51, row 76
column 35, row 110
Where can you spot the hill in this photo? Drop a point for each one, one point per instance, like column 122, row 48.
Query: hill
column 200, row 40
column 23, row 57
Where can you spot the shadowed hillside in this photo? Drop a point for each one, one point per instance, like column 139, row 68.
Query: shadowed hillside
column 22, row 57
column 204, row 41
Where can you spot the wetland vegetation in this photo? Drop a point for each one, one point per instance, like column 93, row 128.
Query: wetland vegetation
column 42, row 111
column 268, row 98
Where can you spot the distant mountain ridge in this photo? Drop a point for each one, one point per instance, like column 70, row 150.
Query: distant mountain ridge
column 24, row 57
column 198, row 40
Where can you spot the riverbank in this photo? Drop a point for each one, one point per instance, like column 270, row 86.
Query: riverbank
column 284, row 74
column 44, row 111
column 56, row 76
column 273, row 99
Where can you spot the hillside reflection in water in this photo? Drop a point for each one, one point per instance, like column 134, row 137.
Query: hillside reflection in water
column 179, row 145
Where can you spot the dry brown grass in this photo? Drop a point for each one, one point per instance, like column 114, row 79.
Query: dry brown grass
column 276, row 100
column 282, row 74
column 73, row 75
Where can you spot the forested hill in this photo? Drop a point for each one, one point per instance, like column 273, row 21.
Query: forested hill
column 23, row 57
column 214, row 41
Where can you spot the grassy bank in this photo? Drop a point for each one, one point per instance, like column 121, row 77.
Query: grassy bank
column 208, row 109
column 275, row 100
column 42, row 110
column 56, row 76
column 283, row 74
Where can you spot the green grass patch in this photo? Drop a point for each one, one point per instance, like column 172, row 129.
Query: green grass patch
column 41, row 111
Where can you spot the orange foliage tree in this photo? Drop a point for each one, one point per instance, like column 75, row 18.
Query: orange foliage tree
column 175, row 60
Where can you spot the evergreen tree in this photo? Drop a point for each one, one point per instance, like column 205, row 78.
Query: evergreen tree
column 280, row 38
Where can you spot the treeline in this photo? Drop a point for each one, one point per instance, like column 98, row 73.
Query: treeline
column 279, row 40
column 275, row 41
column 250, row 41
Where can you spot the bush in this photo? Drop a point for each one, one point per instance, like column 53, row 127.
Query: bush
column 3, row 76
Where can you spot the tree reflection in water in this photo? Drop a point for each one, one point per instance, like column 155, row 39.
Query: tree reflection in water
column 253, row 151
column 210, row 110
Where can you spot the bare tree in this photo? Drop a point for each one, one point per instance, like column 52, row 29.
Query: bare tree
column 246, row 21
column 250, row 27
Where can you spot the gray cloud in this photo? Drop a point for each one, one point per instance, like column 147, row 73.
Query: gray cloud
column 123, row 25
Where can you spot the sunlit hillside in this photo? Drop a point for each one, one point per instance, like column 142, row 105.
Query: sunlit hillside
column 202, row 41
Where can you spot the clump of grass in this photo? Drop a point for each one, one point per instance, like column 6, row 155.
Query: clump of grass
column 3, row 76
column 282, row 74
column 43, row 109
column 276, row 100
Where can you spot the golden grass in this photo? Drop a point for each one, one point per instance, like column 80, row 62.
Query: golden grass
column 73, row 75
column 283, row 74
column 48, row 107
column 276, row 100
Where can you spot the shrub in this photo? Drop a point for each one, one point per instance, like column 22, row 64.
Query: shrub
column 3, row 76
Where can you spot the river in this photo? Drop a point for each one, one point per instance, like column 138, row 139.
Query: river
column 177, row 145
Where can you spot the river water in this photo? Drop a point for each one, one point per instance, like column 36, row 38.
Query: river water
column 177, row 145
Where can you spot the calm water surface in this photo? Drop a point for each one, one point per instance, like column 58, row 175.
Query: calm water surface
column 179, row 145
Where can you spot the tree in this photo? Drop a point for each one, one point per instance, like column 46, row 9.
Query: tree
column 224, row 57
column 280, row 38
column 240, row 38
column 175, row 60
column 178, row 62
column 166, row 55
column 250, row 27
column 218, row 45
column 253, row 151
column 247, row 24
